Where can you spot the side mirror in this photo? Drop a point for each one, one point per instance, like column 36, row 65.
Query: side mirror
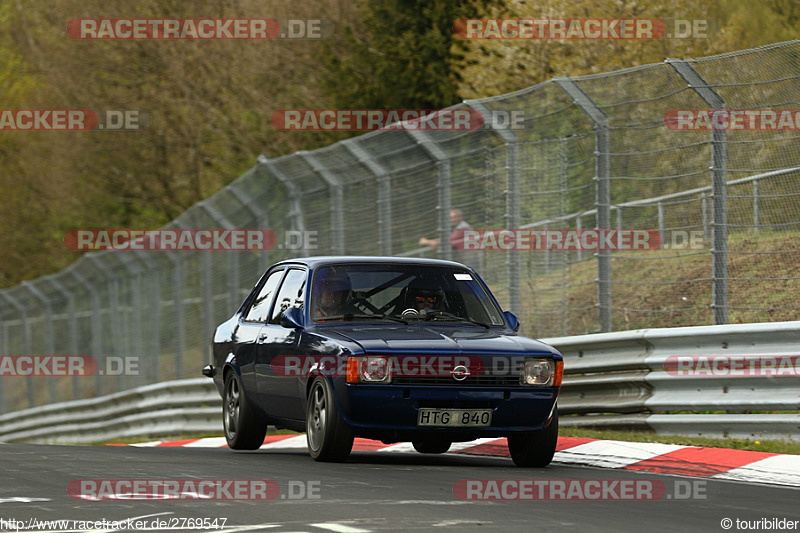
column 292, row 318
column 512, row 320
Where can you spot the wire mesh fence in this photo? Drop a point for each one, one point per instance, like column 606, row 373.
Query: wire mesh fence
column 593, row 152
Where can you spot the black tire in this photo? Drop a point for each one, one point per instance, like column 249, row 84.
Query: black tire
column 329, row 438
column 243, row 429
column 535, row 449
column 431, row 445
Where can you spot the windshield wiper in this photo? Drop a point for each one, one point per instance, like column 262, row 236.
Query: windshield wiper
column 350, row 316
column 433, row 314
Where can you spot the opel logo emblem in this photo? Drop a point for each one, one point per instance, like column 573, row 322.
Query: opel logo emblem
column 460, row 373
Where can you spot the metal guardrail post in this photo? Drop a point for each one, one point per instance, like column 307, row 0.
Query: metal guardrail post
column 26, row 340
column 511, row 218
column 337, row 199
column 48, row 332
column 603, row 192
column 384, row 194
column 442, row 188
column 719, row 190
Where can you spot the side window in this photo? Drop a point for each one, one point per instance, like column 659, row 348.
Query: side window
column 260, row 308
column 291, row 294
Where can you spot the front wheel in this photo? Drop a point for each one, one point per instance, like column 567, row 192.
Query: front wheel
column 243, row 429
column 329, row 438
column 535, row 449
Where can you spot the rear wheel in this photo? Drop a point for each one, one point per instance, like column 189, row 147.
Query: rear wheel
column 243, row 429
column 431, row 445
column 329, row 438
column 535, row 449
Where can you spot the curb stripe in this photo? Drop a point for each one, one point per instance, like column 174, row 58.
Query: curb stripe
column 701, row 462
column 716, row 463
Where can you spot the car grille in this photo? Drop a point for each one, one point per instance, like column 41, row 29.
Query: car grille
column 450, row 381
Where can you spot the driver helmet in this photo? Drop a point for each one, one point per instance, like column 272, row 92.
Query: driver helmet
column 423, row 293
column 331, row 285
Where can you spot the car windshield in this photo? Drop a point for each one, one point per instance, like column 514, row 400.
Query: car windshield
column 402, row 293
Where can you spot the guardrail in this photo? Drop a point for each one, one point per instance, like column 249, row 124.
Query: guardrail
column 610, row 376
column 188, row 406
column 612, row 380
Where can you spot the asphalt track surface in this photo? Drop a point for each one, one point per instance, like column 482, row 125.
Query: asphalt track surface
column 372, row 491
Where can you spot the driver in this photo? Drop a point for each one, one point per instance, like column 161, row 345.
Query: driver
column 332, row 290
column 423, row 294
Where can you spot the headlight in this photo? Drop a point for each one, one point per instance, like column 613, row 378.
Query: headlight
column 369, row 369
column 541, row 371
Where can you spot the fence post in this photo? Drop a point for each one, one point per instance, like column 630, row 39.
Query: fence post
column 661, row 228
column 151, row 344
column 4, row 349
column 719, row 189
column 337, row 200
column 511, row 218
column 26, row 340
column 261, row 221
column 96, row 325
column 208, row 295
column 384, row 194
column 48, row 332
column 756, row 213
column 603, row 192
column 442, row 187
column 296, row 213
column 72, row 326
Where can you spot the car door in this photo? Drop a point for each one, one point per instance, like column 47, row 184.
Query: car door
column 278, row 391
column 248, row 334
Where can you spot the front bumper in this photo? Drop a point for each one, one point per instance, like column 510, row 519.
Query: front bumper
column 395, row 408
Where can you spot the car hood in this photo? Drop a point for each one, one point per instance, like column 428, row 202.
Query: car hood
column 427, row 339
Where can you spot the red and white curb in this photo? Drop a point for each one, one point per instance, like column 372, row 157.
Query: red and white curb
column 714, row 463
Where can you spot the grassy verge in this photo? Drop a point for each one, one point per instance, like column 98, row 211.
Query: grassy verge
column 771, row 446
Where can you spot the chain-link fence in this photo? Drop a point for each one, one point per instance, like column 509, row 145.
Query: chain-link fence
column 594, row 152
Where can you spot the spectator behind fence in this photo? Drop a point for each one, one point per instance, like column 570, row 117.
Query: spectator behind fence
column 467, row 257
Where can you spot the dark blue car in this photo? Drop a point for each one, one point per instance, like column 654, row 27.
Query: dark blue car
column 383, row 348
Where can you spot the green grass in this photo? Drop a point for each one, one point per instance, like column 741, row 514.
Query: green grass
column 771, row 446
column 664, row 288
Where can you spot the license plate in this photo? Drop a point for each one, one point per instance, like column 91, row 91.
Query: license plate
column 454, row 417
